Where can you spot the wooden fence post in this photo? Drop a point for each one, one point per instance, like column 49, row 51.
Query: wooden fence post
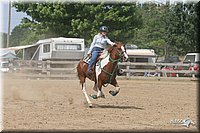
column 128, row 71
column 193, row 72
column 43, row 67
column 48, row 68
column 158, row 69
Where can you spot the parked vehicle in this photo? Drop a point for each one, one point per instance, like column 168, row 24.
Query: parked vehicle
column 4, row 66
column 171, row 68
column 170, row 59
column 194, row 61
column 53, row 49
column 136, row 55
column 191, row 58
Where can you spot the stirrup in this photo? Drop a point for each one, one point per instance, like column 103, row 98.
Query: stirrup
column 90, row 72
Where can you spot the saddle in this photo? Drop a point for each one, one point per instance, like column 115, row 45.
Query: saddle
column 102, row 55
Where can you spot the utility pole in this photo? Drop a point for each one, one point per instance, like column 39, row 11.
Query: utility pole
column 9, row 18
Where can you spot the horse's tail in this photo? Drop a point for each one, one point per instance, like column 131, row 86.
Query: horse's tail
column 80, row 72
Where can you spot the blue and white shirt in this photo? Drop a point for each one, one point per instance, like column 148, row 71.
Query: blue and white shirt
column 100, row 41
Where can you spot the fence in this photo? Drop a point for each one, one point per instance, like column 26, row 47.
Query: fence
column 158, row 69
column 67, row 69
column 45, row 69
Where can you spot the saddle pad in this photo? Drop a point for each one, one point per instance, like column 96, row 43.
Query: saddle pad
column 104, row 54
column 86, row 59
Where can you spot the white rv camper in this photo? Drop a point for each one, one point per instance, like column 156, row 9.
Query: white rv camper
column 58, row 49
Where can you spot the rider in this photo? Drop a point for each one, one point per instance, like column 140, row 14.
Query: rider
column 98, row 45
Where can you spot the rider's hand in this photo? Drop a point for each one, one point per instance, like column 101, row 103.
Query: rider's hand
column 89, row 55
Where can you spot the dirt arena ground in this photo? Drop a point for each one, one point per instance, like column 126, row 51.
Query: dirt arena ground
column 142, row 105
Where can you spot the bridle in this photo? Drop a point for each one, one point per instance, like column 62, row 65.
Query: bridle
column 120, row 55
column 119, row 59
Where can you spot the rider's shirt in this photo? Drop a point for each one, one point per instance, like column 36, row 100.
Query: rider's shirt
column 100, row 41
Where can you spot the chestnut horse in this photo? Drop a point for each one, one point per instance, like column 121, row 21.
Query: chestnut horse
column 105, row 71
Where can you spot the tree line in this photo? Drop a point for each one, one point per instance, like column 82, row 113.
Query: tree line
column 168, row 29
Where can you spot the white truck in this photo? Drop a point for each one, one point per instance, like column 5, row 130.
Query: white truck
column 191, row 58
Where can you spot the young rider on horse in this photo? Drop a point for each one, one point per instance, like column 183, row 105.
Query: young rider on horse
column 97, row 46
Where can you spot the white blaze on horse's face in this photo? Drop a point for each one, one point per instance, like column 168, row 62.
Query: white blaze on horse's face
column 124, row 53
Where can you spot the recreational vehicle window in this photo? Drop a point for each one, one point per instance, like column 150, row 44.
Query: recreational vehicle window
column 46, row 48
column 68, row 46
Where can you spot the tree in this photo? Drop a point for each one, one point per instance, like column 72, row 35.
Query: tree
column 152, row 33
column 80, row 19
column 169, row 29
column 180, row 23
column 24, row 36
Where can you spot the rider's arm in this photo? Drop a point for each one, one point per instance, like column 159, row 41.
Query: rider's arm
column 110, row 42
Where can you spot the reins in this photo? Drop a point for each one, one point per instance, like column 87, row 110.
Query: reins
column 112, row 61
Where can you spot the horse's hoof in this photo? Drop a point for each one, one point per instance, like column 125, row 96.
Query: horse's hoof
column 113, row 93
column 93, row 96
column 90, row 105
column 102, row 96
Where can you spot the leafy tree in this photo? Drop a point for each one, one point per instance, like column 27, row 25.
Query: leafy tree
column 168, row 29
column 180, row 23
column 24, row 36
column 152, row 33
column 80, row 19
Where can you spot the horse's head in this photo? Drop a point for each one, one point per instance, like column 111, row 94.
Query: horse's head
column 118, row 52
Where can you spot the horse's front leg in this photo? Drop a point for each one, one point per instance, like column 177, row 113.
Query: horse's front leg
column 99, row 90
column 117, row 88
column 100, row 94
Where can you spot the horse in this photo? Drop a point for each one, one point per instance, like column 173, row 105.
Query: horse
column 105, row 71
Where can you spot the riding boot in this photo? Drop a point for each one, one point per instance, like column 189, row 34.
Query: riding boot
column 89, row 72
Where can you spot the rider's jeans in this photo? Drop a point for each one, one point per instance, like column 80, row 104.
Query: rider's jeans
column 95, row 53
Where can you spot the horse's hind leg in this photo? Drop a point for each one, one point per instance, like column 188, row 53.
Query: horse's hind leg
column 83, row 83
column 95, row 87
column 117, row 88
column 85, row 94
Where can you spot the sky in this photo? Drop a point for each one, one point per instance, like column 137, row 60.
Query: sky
column 17, row 16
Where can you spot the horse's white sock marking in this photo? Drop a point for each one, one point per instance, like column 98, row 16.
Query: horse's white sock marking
column 85, row 93
column 98, row 93
column 117, row 88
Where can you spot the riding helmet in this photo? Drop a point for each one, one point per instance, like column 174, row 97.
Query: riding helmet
column 103, row 29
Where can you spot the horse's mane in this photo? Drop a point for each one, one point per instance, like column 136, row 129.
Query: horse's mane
column 117, row 44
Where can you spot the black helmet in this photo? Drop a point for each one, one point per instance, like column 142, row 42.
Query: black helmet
column 103, row 29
